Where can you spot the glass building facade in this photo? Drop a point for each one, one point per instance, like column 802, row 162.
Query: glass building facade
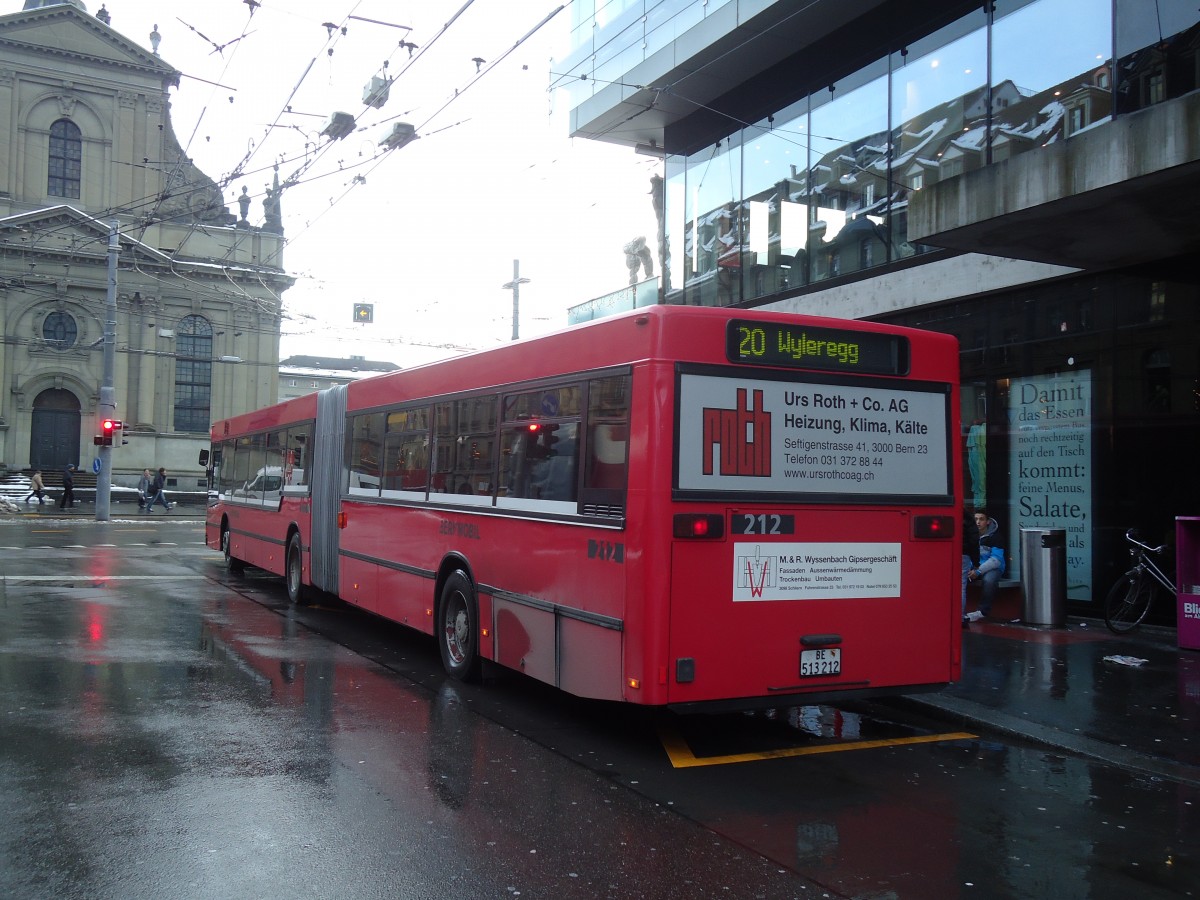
column 1081, row 395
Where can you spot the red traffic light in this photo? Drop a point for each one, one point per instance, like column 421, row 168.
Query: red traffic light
column 108, row 427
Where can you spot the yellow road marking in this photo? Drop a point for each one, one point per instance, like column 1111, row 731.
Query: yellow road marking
column 681, row 755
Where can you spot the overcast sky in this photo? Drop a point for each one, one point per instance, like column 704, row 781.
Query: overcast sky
column 430, row 232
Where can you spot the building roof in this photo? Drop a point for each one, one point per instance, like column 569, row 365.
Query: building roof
column 329, row 365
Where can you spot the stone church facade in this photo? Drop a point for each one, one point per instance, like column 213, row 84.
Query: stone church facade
column 89, row 164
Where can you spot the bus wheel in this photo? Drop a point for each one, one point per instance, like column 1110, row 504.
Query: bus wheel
column 232, row 563
column 294, row 572
column 458, row 628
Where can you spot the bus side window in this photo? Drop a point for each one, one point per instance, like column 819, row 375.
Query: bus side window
column 539, row 462
column 606, row 458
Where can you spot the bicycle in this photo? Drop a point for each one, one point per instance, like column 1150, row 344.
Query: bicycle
column 1129, row 599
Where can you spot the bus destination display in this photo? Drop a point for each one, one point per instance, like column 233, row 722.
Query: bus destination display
column 767, row 343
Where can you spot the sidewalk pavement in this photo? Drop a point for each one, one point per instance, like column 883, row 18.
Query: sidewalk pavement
column 1061, row 687
column 85, row 507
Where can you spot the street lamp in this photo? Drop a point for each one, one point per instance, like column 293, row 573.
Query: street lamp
column 515, row 287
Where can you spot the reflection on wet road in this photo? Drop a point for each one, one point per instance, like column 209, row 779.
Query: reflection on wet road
column 171, row 731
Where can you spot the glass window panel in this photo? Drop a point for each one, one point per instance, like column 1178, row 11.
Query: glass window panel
column 939, row 95
column 474, row 463
column 539, row 462
column 713, row 211
column 675, row 228
column 406, row 452
column 1044, row 54
column 408, row 419
column 252, row 490
column 59, row 330
column 608, row 397
column 365, row 439
column 549, row 402
column 775, row 162
column 64, row 163
column 465, row 449
column 406, row 462
column 226, row 474
column 605, row 470
column 1156, row 43
column 248, row 460
column 193, row 374
column 848, row 173
column 296, row 462
column 266, row 486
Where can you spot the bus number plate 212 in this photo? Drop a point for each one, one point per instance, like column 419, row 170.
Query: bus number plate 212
column 820, row 662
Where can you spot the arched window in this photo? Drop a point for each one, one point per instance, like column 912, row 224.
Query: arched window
column 66, row 156
column 193, row 374
column 59, row 330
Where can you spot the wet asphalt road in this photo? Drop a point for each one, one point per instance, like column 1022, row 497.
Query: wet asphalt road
column 170, row 730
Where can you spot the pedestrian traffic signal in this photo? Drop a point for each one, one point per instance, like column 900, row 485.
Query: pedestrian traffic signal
column 364, row 312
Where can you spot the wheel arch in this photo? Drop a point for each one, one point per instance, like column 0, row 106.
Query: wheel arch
column 452, row 562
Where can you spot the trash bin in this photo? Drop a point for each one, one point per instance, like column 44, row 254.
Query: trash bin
column 1044, row 576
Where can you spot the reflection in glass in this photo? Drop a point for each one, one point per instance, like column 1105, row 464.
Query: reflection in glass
column 713, row 241
column 1156, row 51
column 820, row 189
column 939, row 99
column 849, row 163
column 776, row 164
column 1038, row 77
column 674, row 210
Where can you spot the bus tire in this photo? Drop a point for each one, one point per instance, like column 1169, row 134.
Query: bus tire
column 294, row 573
column 457, row 627
column 232, row 563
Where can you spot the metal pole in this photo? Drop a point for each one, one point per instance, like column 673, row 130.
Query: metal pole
column 107, row 407
column 515, row 285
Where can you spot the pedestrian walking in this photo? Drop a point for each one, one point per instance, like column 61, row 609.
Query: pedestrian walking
column 38, row 489
column 68, row 497
column 143, row 489
column 157, row 492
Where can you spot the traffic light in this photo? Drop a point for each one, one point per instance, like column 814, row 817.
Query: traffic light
column 108, row 428
column 364, row 312
column 542, row 439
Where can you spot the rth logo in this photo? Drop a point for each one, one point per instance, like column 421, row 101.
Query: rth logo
column 743, row 434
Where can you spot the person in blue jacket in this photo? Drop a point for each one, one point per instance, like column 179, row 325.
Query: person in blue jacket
column 991, row 564
column 970, row 555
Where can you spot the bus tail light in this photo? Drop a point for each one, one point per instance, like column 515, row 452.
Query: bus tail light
column 699, row 525
column 341, row 519
column 933, row 526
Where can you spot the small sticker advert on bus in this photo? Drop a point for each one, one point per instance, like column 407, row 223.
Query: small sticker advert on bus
column 824, row 571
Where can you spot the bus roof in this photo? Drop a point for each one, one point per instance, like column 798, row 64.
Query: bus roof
column 684, row 333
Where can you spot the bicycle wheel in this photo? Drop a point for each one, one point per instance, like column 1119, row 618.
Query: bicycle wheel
column 1128, row 601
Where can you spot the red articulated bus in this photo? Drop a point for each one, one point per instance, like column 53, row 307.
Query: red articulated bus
column 677, row 506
